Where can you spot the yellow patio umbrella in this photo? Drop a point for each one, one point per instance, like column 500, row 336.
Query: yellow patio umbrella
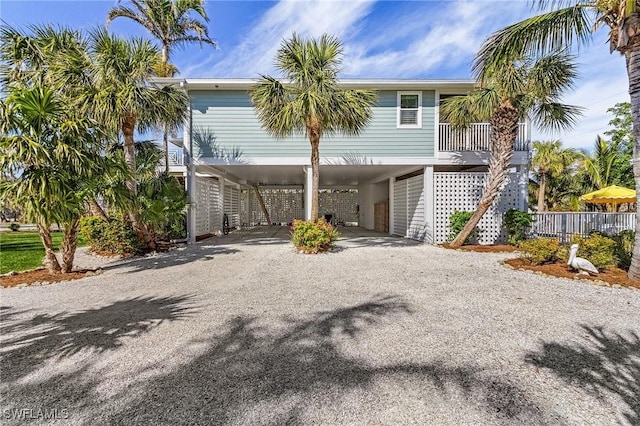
column 610, row 195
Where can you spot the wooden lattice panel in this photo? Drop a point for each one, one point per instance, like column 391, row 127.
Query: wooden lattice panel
column 462, row 191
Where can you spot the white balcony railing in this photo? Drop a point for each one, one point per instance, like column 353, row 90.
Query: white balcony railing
column 474, row 138
column 176, row 158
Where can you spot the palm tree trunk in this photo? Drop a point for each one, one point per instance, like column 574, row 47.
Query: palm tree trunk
column 165, row 57
column 314, row 138
column 69, row 244
column 165, row 145
column 504, row 130
column 632, row 55
column 128, row 128
column 50, row 259
column 541, row 190
column 96, row 210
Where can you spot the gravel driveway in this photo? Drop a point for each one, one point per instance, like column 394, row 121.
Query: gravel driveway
column 243, row 330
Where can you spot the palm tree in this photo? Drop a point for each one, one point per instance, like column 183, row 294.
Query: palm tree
column 122, row 100
column 563, row 23
column 549, row 159
column 311, row 100
column 599, row 167
column 171, row 23
column 505, row 95
column 55, row 149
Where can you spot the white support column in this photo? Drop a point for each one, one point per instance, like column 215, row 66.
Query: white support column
column 308, row 184
column 523, row 187
column 222, row 195
column 392, row 181
column 429, row 205
column 191, row 178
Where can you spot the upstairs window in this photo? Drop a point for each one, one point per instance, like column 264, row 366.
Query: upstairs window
column 410, row 110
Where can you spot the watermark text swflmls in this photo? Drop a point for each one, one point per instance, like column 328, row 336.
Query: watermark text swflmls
column 40, row 413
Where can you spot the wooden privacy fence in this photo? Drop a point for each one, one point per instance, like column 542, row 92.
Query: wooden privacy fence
column 564, row 225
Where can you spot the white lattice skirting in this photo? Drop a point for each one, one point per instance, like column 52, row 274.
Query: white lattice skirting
column 462, row 191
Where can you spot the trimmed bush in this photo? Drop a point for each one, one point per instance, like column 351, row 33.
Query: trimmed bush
column 540, row 250
column 624, row 248
column 457, row 220
column 14, row 226
column 313, row 236
column 517, row 223
column 598, row 249
column 115, row 236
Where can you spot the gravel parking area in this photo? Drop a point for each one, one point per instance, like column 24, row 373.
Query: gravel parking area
column 242, row 330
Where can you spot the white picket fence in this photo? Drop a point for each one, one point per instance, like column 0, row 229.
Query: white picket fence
column 563, row 225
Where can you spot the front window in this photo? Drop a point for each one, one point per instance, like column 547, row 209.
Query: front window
column 410, row 109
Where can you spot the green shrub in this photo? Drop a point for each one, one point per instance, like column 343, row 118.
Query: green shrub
column 624, row 248
column 14, row 226
column 115, row 236
column 540, row 250
column 313, row 236
column 598, row 249
column 517, row 223
column 457, row 220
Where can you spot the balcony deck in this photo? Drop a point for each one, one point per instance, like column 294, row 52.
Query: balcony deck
column 474, row 138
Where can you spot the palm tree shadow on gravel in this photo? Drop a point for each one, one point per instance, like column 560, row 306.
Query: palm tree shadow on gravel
column 609, row 364
column 252, row 374
column 248, row 373
column 190, row 254
column 28, row 344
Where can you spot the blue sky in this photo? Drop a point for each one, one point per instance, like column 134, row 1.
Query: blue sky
column 383, row 39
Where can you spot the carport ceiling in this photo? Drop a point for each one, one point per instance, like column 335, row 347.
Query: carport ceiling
column 329, row 175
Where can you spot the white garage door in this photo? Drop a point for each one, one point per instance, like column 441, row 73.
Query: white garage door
column 408, row 208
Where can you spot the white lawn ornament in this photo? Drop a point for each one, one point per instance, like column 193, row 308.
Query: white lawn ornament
column 580, row 264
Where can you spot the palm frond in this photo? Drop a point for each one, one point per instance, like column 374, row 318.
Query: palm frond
column 552, row 31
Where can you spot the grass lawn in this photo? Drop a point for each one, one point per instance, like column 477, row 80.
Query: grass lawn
column 21, row 251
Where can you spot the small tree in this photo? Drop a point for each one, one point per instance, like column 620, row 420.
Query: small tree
column 549, row 160
column 311, row 101
column 56, row 150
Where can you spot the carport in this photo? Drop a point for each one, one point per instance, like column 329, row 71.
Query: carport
column 350, row 237
column 349, row 195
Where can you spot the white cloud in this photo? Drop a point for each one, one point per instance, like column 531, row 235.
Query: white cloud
column 256, row 52
column 446, row 35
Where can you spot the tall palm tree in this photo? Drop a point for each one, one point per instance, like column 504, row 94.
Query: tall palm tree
column 311, row 101
column 563, row 23
column 171, row 22
column 549, row 159
column 122, row 100
column 509, row 92
column 55, row 149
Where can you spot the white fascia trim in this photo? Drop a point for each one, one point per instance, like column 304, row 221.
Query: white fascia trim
column 398, row 109
column 392, row 84
column 324, row 161
column 444, row 158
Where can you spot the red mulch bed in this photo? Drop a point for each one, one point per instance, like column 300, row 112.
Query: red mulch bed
column 41, row 276
column 498, row 248
column 611, row 276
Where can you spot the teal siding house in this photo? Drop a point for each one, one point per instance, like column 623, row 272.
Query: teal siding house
column 403, row 175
